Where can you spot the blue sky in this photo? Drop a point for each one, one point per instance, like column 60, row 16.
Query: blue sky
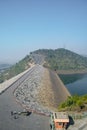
column 27, row 25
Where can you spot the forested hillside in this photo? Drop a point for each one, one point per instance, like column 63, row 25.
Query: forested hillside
column 59, row 59
column 16, row 69
column 62, row 59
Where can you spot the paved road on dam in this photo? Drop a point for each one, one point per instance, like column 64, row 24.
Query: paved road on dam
column 8, row 104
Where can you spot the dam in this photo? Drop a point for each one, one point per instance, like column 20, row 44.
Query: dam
column 38, row 89
column 42, row 91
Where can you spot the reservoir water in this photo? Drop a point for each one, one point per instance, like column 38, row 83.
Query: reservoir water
column 75, row 83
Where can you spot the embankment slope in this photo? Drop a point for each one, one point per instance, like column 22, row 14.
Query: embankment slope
column 52, row 91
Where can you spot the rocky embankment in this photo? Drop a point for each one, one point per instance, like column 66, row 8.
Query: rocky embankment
column 42, row 91
column 27, row 92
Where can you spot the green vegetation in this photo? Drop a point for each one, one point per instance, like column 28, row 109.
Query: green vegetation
column 62, row 59
column 59, row 59
column 16, row 69
column 74, row 103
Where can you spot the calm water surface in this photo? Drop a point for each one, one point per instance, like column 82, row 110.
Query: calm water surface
column 76, row 84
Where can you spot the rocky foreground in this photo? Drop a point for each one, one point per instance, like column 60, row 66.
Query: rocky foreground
column 42, row 91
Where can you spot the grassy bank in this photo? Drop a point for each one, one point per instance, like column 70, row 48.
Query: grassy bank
column 74, row 103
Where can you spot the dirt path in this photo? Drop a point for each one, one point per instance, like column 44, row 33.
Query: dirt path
column 52, row 91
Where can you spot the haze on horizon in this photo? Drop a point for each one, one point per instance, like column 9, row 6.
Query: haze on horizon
column 28, row 25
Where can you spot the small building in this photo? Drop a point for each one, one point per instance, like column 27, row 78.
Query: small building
column 59, row 120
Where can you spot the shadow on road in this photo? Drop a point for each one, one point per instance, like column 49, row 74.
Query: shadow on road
column 71, row 122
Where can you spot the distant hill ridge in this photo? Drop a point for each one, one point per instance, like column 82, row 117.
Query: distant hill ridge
column 2, row 66
column 58, row 59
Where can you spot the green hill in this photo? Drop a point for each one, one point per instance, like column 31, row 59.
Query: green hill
column 59, row 59
column 62, row 59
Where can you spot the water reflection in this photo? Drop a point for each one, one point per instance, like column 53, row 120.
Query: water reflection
column 75, row 83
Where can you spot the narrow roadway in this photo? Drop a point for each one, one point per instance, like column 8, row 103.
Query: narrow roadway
column 8, row 104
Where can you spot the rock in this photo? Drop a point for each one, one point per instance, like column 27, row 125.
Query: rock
column 27, row 92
